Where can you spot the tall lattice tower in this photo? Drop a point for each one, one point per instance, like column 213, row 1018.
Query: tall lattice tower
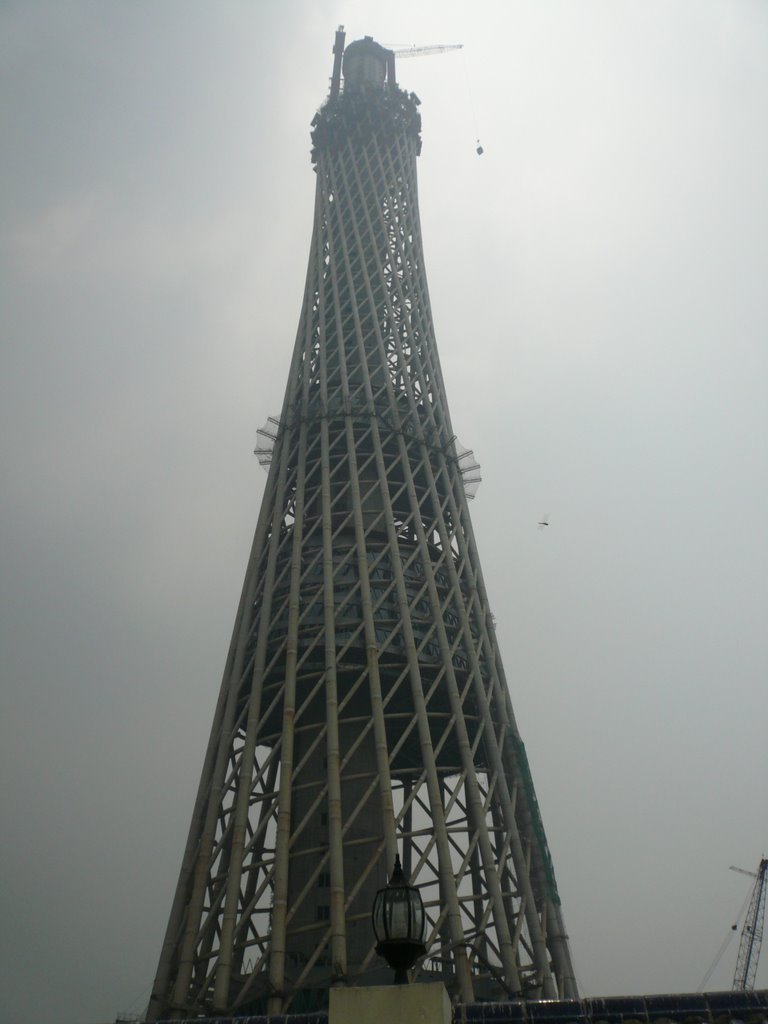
column 363, row 710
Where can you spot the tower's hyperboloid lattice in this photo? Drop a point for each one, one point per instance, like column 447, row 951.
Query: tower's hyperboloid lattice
column 363, row 710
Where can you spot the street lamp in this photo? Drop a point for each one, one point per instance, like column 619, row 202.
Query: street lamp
column 399, row 924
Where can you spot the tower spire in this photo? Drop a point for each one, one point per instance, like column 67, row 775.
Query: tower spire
column 363, row 709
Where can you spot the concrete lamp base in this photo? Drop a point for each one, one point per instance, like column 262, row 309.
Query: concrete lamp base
column 403, row 1004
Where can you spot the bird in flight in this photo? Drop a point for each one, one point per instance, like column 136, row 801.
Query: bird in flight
column 544, row 521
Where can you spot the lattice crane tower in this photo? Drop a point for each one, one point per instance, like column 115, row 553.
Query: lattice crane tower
column 363, row 710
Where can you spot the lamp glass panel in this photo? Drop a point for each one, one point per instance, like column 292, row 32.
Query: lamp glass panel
column 398, row 916
column 417, row 909
column 378, row 916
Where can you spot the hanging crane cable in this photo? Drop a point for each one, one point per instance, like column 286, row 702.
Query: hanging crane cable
column 478, row 149
column 725, row 944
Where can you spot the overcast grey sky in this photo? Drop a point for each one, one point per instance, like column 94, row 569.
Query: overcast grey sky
column 599, row 285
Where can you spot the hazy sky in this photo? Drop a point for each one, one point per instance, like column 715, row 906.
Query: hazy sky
column 599, row 280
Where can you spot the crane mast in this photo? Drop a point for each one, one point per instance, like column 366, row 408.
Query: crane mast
column 751, row 933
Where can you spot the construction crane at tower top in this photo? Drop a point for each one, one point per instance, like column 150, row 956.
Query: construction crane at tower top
column 424, row 51
column 363, row 712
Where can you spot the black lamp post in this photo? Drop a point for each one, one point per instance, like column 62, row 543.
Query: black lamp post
column 399, row 924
